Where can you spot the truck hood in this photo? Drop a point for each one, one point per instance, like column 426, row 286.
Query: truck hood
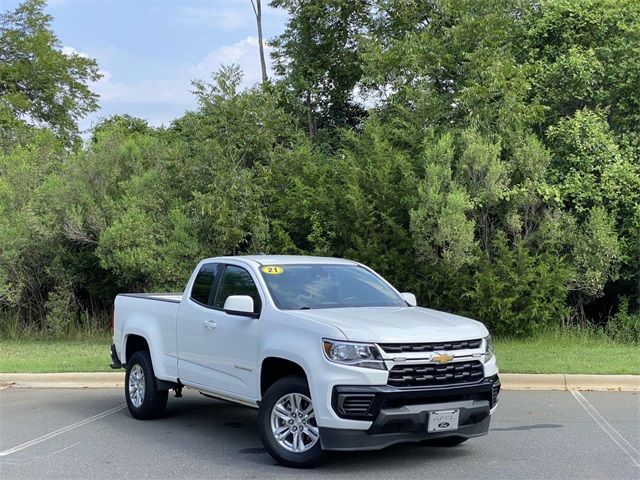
column 397, row 325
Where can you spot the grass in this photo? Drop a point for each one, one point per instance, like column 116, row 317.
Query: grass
column 560, row 351
column 567, row 351
column 44, row 356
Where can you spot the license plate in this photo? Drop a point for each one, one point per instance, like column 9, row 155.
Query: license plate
column 443, row 420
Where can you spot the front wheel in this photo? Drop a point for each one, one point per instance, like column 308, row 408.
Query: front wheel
column 287, row 424
column 144, row 399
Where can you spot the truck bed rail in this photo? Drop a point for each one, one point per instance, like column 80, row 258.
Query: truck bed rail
column 161, row 297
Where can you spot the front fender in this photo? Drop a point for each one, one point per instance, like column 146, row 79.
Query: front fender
column 304, row 347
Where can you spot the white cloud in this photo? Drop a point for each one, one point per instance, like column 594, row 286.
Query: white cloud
column 160, row 100
column 170, row 90
column 70, row 51
column 225, row 18
column 244, row 53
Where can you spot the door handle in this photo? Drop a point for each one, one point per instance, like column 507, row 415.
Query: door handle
column 210, row 324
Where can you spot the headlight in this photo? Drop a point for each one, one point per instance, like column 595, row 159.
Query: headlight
column 488, row 348
column 355, row 354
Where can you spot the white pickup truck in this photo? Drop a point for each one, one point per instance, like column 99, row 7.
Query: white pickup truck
column 332, row 355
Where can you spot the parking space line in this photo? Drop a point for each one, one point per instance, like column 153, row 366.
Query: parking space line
column 60, row 431
column 622, row 442
column 64, row 449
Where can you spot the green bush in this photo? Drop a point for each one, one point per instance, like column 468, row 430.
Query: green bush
column 517, row 292
column 624, row 326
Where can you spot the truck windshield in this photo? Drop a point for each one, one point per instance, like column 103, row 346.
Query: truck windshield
column 301, row 287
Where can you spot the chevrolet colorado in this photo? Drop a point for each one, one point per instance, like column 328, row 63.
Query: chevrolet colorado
column 331, row 354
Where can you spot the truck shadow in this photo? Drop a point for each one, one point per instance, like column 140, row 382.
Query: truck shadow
column 526, row 428
column 210, row 422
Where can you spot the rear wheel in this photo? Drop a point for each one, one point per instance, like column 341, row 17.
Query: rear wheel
column 287, row 424
column 144, row 399
column 445, row 442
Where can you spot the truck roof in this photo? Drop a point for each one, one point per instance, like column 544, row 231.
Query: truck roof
column 288, row 259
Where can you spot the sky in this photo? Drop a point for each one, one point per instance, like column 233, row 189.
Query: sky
column 149, row 51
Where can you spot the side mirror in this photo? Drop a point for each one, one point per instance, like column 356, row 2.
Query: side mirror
column 239, row 305
column 410, row 298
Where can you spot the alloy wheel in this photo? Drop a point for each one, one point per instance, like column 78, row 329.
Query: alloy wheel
column 136, row 385
column 293, row 423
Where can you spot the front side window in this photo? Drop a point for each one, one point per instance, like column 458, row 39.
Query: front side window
column 201, row 290
column 237, row 281
column 301, row 287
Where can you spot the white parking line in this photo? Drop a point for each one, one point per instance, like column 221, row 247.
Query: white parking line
column 622, row 442
column 64, row 449
column 60, row 431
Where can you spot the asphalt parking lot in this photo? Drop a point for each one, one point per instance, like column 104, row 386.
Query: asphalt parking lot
column 68, row 434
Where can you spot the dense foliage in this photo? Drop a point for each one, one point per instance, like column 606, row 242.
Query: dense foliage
column 484, row 155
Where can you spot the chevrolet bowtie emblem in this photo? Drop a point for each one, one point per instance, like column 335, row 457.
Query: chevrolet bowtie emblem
column 442, row 358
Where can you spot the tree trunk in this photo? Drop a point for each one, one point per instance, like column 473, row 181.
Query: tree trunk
column 310, row 119
column 257, row 9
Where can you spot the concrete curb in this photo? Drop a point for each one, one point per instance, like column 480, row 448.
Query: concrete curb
column 62, row 380
column 520, row 381
column 566, row 382
column 510, row 381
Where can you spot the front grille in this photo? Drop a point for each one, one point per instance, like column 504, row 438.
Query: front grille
column 430, row 347
column 355, row 405
column 495, row 390
column 433, row 374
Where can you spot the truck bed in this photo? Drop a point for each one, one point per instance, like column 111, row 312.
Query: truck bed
column 152, row 315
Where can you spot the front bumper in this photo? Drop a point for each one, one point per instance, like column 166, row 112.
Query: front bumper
column 401, row 414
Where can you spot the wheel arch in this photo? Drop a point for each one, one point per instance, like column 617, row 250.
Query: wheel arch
column 135, row 342
column 274, row 368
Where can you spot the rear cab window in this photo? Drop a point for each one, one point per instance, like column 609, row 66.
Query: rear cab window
column 202, row 290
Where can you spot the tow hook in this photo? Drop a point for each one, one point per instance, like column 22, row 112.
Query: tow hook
column 177, row 392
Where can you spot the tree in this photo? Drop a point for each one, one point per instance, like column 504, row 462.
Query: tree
column 585, row 55
column 318, row 56
column 257, row 10
column 442, row 233
column 450, row 63
column 39, row 83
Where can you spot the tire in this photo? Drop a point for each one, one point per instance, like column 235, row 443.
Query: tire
column 147, row 402
column 445, row 442
column 278, row 411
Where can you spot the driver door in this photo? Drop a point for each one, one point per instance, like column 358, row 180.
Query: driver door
column 230, row 344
